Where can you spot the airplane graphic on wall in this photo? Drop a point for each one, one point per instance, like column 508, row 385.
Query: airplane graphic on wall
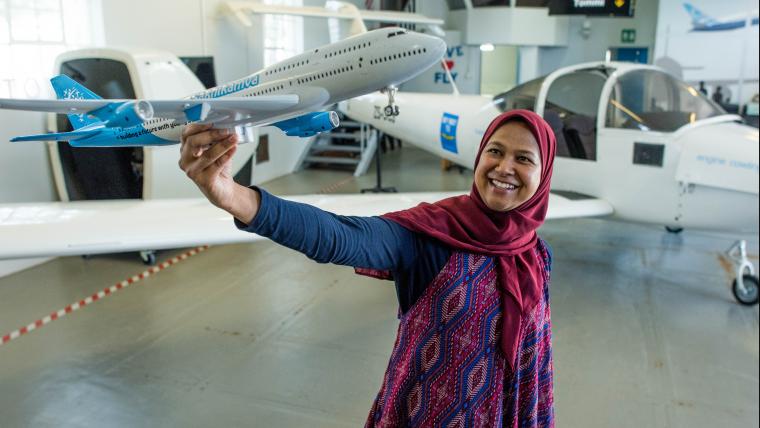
column 288, row 95
column 702, row 22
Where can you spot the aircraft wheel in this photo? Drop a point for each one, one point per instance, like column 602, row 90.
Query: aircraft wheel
column 674, row 229
column 395, row 111
column 749, row 296
column 148, row 257
column 388, row 110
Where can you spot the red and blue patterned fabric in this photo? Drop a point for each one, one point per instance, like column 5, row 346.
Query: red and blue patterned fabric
column 447, row 368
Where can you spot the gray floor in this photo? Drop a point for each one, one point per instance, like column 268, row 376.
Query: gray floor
column 646, row 332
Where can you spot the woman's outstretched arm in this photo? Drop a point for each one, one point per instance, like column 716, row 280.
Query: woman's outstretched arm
column 369, row 242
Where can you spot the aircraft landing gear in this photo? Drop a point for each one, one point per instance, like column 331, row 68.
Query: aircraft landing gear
column 745, row 285
column 390, row 109
column 674, row 229
column 148, row 257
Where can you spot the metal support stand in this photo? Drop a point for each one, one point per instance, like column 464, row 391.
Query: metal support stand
column 379, row 183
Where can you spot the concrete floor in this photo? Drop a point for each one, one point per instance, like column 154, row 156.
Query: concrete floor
column 646, row 332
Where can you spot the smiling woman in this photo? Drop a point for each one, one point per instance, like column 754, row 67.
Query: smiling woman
column 509, row 169
column 471, row 274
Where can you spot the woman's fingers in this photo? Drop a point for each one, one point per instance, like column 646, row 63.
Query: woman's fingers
column 197, row 169
column 216, row 151
column 222, row 163
column 196, row 140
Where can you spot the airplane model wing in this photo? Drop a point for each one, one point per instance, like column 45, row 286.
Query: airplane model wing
column 180, row 109
column 241, row 9
column 87, row 227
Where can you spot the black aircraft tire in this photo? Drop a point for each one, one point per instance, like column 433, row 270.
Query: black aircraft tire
column 675, row 229
column 750, row 297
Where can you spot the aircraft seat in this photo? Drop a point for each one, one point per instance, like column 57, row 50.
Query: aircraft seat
column 580, row 133
column 553, row 119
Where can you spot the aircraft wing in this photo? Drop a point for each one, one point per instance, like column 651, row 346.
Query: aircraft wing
column 94, row 227
column 56, row 106
column 241, row 9
column 180, row 109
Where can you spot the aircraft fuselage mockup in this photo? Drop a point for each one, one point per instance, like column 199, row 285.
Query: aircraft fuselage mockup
column 653, row 147
column 288, row 94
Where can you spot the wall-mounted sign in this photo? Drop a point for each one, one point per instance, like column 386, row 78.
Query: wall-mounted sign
column 453, row 53
column 623, row 8
column 628, row 35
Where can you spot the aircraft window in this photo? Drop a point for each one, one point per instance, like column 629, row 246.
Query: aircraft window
column 571, row 109
column 656, row 101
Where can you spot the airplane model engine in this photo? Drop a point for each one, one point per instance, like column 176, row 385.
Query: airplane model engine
column 131, row 113
column 144, row 110
column 309, row 124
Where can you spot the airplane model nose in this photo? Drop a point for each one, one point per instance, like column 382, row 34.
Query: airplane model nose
column 439, row 47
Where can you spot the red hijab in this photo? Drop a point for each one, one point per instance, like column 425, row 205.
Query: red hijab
column 466, row 224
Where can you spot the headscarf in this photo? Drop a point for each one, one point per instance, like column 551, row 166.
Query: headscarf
column 466, row 224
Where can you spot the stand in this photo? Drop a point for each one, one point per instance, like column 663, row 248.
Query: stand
column 379, row 183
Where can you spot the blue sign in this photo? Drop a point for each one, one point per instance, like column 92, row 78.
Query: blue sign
column 449, row 132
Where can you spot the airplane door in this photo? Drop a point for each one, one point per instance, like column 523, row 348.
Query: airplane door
column 637, row 116
column 570, row 107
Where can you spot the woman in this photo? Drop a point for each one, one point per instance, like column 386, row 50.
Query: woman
column 474, row 340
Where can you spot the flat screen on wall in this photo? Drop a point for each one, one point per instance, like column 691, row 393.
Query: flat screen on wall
column 614, row 8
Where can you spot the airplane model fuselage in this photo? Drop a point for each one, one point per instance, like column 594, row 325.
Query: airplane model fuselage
column 632, row 135
column 282, row 94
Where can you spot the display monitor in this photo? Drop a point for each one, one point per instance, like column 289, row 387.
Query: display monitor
column 614, row 8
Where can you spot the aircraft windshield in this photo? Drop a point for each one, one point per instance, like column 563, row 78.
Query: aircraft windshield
column 656, row 101
column 522, row 96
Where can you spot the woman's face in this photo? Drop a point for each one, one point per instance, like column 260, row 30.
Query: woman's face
column 509, row 170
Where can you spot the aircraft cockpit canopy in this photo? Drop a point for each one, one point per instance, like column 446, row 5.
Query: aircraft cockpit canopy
column 520, row 97
column 654, row 100
column 396, row 33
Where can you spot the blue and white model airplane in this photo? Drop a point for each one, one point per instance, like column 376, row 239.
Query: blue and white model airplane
column 288, row 95
column 702, row 22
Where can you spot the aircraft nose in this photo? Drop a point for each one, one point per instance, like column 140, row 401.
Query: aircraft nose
column 436, row 46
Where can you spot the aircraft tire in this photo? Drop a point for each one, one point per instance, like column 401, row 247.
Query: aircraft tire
column 674, row 229
column 750, row 296
column 148, row 257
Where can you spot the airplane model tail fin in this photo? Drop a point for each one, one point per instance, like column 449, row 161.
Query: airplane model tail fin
column 67, row 88
column 697, row 17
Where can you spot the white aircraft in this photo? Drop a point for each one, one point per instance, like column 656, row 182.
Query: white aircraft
column 650, row 145
column 702, row 22
column 287, row 95
column 450, row 127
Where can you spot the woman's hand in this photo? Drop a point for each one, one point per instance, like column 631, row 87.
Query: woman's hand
column 206, row 158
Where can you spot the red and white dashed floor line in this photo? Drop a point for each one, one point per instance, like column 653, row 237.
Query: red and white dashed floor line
column 335, row 186
column 97, row 296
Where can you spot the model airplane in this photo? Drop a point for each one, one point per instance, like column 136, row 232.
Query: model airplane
column 702, row 22
column 632, row 135
column 287, row 95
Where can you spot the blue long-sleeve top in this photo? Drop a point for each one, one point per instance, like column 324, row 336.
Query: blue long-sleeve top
column 365, row 242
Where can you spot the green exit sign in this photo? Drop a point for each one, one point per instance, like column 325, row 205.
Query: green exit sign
column 628, row 35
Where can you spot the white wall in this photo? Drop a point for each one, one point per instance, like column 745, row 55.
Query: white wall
column 464, row 63
column 603, row 33
column 24, row 167
column 724, row 57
